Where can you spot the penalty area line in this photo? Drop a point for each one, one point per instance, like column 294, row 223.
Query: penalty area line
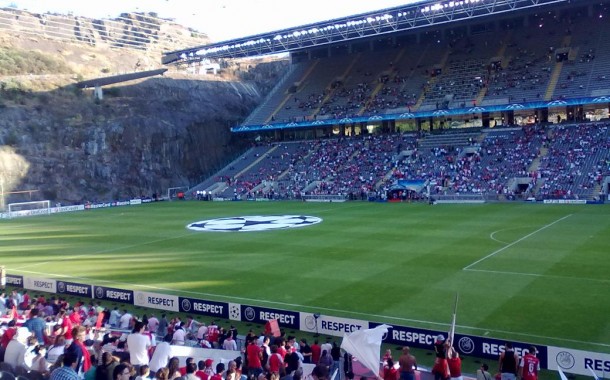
column 515, row 242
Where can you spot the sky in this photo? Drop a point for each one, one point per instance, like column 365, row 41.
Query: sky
column 220, row 19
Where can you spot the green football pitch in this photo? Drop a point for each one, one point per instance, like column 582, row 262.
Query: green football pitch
column 528, row 272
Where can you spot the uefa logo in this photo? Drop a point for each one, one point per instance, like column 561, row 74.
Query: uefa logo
column 61, row 287
column 186, row 304
column 466, row 345
column 565, row 360
column 385, row 334
column 99, row 292
column 250, row 313
column 310, row 323
column 141, row 298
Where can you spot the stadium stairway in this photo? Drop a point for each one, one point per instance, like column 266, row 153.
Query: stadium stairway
column 259, row 159
column 432, row 81
column 211, row 183
column 595, row 193
column 550, row 89
column 380, row 85
column 217, row 188
column 390, row 173
column 289, row 96
column 312, row 185
column 500, row 54
column 536, row 162
column 332, row 90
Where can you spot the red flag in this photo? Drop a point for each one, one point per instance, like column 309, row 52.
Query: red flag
column 14, row 314
column 100, row 319
column 272, row 328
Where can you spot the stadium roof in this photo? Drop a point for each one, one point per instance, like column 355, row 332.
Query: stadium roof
column 376, row 23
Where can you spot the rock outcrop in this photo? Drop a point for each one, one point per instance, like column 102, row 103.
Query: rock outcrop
column 141, row 138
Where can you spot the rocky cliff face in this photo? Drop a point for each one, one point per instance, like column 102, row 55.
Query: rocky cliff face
column 141, row 138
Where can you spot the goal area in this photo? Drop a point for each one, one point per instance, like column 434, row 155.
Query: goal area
column 179, row 192
column 29, row 208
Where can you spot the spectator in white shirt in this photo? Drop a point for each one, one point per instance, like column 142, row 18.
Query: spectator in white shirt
column 179, row 336
column 138, row 345
column 229, row 343
column 161, row 356
column 125, row 321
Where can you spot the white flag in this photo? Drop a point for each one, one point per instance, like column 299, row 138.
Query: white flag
column 593, row 373
column 561, row 374
column 365, row 345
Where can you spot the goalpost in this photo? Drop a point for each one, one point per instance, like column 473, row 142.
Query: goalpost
column 174, row 193
column 29, row 208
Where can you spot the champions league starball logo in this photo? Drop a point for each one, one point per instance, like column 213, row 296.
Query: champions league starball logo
column 254, row 223
column 235, row 312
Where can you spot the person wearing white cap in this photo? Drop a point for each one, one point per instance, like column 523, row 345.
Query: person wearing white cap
column 16, row 349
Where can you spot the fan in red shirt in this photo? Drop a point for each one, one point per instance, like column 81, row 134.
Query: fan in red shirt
column 220, row 368
column 530, row 365
column 281, row 349
column 455, row 364
column 9, row 333
column 254, row 356
column 276, row 363
column 316, row 352
column 389, row 371
column 200, row 373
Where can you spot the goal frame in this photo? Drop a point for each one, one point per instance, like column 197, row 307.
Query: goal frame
column 44, row 210
column 177, row 190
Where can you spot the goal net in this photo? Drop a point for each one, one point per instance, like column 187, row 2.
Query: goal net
column 29, row 208
column 174, row 193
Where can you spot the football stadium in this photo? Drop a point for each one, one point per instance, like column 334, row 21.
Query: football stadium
column 439, row 168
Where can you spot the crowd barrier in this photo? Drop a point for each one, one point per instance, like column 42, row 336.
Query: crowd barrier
column 569, row 360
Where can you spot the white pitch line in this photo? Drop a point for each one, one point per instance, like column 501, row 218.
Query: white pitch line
column 298, row 306
column 515, row 242
column 540, row 275
column 491, row 236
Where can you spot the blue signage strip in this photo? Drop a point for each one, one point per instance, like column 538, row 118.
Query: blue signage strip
column 425, row 114
column 470, row 345
column 113, row 294
column 14, row 280
column 261, row 315
column 74, row 289
column 203, row 307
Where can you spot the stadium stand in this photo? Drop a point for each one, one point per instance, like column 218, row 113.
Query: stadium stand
column 555, row 162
